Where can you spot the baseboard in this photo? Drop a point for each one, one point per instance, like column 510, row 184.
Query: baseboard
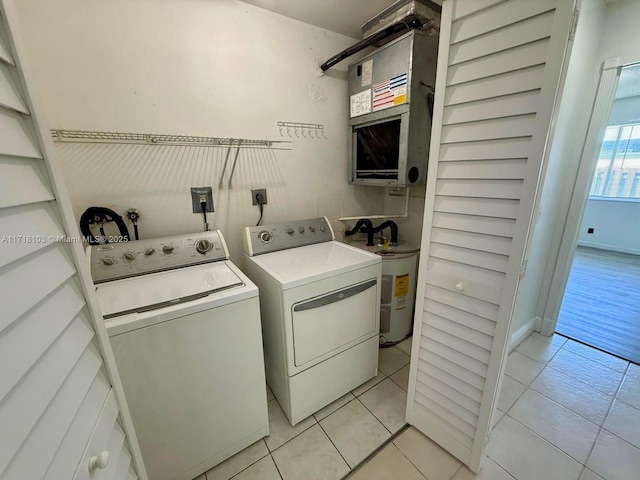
column 612, row 248
column 522, row 333
column 548, row 326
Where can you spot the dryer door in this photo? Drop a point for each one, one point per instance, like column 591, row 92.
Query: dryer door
column 326, row 323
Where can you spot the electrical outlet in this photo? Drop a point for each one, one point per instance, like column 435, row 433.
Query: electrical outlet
column 259, row 197
column 200, row 194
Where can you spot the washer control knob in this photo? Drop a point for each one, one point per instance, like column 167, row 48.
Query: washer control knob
column 289, row 230
column 108, row 261
column 149, row 251
column 265, row 237
column 203, row 246
column 322, row 229
column 129, row 256
column 301, row 228
column 167, row 249
column 312, row 229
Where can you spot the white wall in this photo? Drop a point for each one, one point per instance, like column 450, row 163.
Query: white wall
column 570, row 131
column 409, row 228
column 610, row 218
column 615, row 223
column 613, row 31
column 218, row 68
column 622, row 34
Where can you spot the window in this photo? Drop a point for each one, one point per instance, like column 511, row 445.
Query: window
column 618, row 171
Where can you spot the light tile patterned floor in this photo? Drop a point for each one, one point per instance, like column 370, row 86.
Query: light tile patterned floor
column 566, row 412
column 327, row 445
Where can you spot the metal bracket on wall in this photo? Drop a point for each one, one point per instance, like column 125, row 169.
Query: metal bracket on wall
column 233, row 167
column 313, row 130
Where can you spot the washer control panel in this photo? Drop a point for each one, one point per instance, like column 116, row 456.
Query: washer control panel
column 281, row 236
column 114, row 261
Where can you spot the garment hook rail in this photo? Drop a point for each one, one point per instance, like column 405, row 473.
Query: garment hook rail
column 308, row 130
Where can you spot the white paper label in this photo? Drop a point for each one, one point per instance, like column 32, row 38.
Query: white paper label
column 361, row 103
column 367, row 73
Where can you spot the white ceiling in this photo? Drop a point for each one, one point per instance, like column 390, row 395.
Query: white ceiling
column 341, row 16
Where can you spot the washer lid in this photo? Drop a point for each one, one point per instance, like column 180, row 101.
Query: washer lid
column 310, row 263
column 158, row 290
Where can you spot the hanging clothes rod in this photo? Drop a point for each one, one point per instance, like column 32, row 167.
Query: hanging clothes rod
column 88, row 136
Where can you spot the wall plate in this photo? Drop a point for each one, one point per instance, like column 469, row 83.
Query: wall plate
column 260, row 191
column 196, row 192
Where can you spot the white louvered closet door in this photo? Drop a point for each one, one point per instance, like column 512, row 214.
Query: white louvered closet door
column 500, row 66
column 57, row 404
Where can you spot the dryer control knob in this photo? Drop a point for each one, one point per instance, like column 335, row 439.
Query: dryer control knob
column 265, row 237
column 301, row 228
column 108, row 261
column 312, row 229
column 203, row 246
column 149, row 251
column 167, row 249
column 129, row 256
column 289, row 231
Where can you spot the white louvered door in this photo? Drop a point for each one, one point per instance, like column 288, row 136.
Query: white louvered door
column 60, row 402
column 500, row 67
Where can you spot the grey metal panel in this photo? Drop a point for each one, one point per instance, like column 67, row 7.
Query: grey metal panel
column 385, row 319
column 385, row 290
column 375, row 117
column 415, row 54
column 388, row 61
column 425, row 55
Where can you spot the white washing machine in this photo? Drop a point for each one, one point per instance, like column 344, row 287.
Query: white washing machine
column 320, row 306
column 184, row 323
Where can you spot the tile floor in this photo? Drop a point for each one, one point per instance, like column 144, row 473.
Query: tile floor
column 565, row 412
column 330, row 443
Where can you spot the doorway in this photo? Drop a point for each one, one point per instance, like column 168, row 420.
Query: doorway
column 601, row 303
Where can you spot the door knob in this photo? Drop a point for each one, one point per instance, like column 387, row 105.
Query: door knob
column 459, row 287
column 99, row 462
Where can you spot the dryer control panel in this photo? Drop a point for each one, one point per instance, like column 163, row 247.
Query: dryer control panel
column 114, row 261
column 281, row 236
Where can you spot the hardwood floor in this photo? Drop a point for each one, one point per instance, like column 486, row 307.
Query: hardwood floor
column 601, row 305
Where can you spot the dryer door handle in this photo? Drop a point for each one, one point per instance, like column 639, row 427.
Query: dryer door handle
column 335, row 296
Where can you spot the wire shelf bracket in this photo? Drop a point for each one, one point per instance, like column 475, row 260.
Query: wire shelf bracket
column 89, row 136
column 233, row 166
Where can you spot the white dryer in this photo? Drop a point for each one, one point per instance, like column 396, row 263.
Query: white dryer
column 184, row 323
column 320, row 308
